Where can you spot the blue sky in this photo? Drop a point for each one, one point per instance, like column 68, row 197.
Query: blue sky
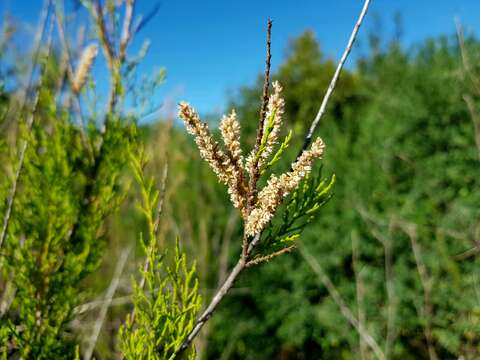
column 212, row 47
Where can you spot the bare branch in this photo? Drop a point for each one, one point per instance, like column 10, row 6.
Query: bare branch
column 220, row 294
column 103, row 35
column 346, row 312
column 465, row 59
column 222, row 291
column 143, row 21
column 70, row 76
column 336, row 75
column 360, row 291
column 252, row 186
column 108, row 300
column 386, row 242
column 127, row 28
column 225, row 247
column 267, row 258
column 39, row 33
column 427, row 285
column 30, row 121
column 392, row 300
column 475, row 119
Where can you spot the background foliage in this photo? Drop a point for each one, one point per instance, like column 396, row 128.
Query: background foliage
column 399, row 239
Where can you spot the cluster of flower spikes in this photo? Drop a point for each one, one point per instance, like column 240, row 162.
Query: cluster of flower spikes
column 232, row 170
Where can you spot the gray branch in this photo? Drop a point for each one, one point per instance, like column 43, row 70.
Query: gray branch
column 336, row 75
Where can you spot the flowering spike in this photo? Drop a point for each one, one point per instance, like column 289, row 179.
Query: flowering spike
column 271, row 196
column 228, row 164
column 271, row 130
column 230, row 129
column 84, row 67
column 223, row 165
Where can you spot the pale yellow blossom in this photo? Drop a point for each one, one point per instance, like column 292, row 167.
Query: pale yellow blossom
column 271, row 196
column 84, row 67
column 210, row 151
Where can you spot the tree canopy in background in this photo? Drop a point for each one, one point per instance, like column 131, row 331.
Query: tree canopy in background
column 397, row 237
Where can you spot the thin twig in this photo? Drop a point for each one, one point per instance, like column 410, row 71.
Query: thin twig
column 24, row 146
column 360, row 292
column 475, row 119
column 475, row 81
column 30, row 120
column 128, row 299
column 127, row 27
column 9, row 292
column 103, row 35
column 467, row 253
column 220, row 294
column 114, row 66
column 427, row 285
column 70, row 75
column 118, row 301
column 391, row 308
column 222, row 273
column 255, row 171
column 346, row 312
column 267, row 258
column 222, row 291
column 108, row 299
column 336, row 75
column 386, row 243
column 225, row 247
column 36, row 53
column 144, row 20
column 463, row 52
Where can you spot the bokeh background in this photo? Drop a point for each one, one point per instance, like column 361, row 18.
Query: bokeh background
column 399, row 241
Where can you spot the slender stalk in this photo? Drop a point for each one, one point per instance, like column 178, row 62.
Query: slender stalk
column 467, row 67
column 269, row 257
column 222, row 291
column 76, row 97
column 30, row 120
column 475, row 119
column 114, row 65
column 427, row 285
column 255, row 172
column 126, row 28
column 391, row 310
column 336, row 75
column 219, row 295
column 346, row 312
column 108, row 299
column 360, row 291
column 36, row 53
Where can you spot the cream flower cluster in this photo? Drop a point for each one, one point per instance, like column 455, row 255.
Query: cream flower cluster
column 225, row 167
column 229, row 166
column 230, row 128
column 84, row 67
column 278, row 187
column 273, row 118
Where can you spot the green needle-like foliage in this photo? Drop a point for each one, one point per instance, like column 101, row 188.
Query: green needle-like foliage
column 166, row 299
column 301, row 208
column 278, row 154
column 165, row 310
column 55, row 237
